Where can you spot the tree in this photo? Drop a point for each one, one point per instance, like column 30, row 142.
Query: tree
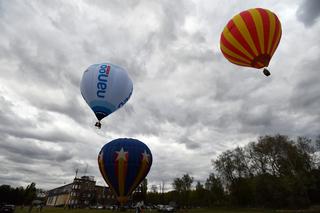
column 178, row 188
column 187, row 181
column 17, row 196
column 318, row 143
column 199, row 195
column 275, row 172
column 141, row 191
column 225, row 166
column 144, row 188
column 5, row 193
column 216, row 193
column 154, row 188
column 182, row 187
column 177, row 185
column 30, row 193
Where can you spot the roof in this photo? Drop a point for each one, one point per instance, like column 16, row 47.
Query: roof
column 65, row 189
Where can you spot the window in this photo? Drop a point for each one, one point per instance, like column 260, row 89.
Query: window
column 50, row 199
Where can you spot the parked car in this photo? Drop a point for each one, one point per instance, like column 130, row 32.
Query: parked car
column 112, row 207
column 96, row 207
column 165, row 208
column 7, row 208
column 159, row 207
column 168, row 208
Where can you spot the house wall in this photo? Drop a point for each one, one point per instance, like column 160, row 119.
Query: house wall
column 62, row 200
column 57, row 200
column 51, row 200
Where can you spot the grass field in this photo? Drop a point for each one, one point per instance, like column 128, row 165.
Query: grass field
column 202, row 210
column 216, row 210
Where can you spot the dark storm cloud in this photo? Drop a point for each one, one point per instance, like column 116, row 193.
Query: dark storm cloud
column 173, row 17
column 40, row 57
column 35, row 51
column 46, row 174
column 69, row 106
column 181, row 162
column 190, row 144
column 228, row 88
column 306, row 94
column 118, row 6
column 46, row 72
column 15, row 158
column 305, row 99
column 24, row 174
column 30, row 133
column 197, row 52
column 308, row 12
column 14, row 125
column 152, row 118
column 258, row 116
column 28, row 161
column 9, row 118
column 9, row 179
column 27, row 151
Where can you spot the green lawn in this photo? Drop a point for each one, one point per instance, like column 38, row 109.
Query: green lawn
column 201, row 210
column 216, row 210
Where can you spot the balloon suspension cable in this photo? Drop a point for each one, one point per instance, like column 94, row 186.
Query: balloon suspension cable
column 98, row 124
column 266, row 72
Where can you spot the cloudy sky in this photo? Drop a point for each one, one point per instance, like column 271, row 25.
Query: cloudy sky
column 189, row 103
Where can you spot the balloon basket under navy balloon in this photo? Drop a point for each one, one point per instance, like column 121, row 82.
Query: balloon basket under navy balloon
column 122, row 200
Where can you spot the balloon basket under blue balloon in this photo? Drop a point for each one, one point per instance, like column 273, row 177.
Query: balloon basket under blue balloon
column 98, row 124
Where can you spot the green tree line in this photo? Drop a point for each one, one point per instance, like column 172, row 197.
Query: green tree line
column 272, row 172
column 18, row 195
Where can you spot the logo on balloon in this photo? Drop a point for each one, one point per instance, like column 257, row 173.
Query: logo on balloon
column 125, row 100
column 102, row 80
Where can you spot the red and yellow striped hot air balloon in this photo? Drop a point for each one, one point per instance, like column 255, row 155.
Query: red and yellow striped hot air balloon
column 251, row 38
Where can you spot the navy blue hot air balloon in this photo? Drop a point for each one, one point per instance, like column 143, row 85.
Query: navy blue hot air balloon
column 124, row 163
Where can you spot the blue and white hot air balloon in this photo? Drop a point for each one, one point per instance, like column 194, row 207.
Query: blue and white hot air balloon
column 105, row 87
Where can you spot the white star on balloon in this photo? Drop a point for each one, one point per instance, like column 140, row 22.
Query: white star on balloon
column 145, row 156
column 121, row 155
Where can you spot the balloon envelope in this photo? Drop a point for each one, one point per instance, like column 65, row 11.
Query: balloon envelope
column 105, row 87
column 124, row 163
column 251, row 38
